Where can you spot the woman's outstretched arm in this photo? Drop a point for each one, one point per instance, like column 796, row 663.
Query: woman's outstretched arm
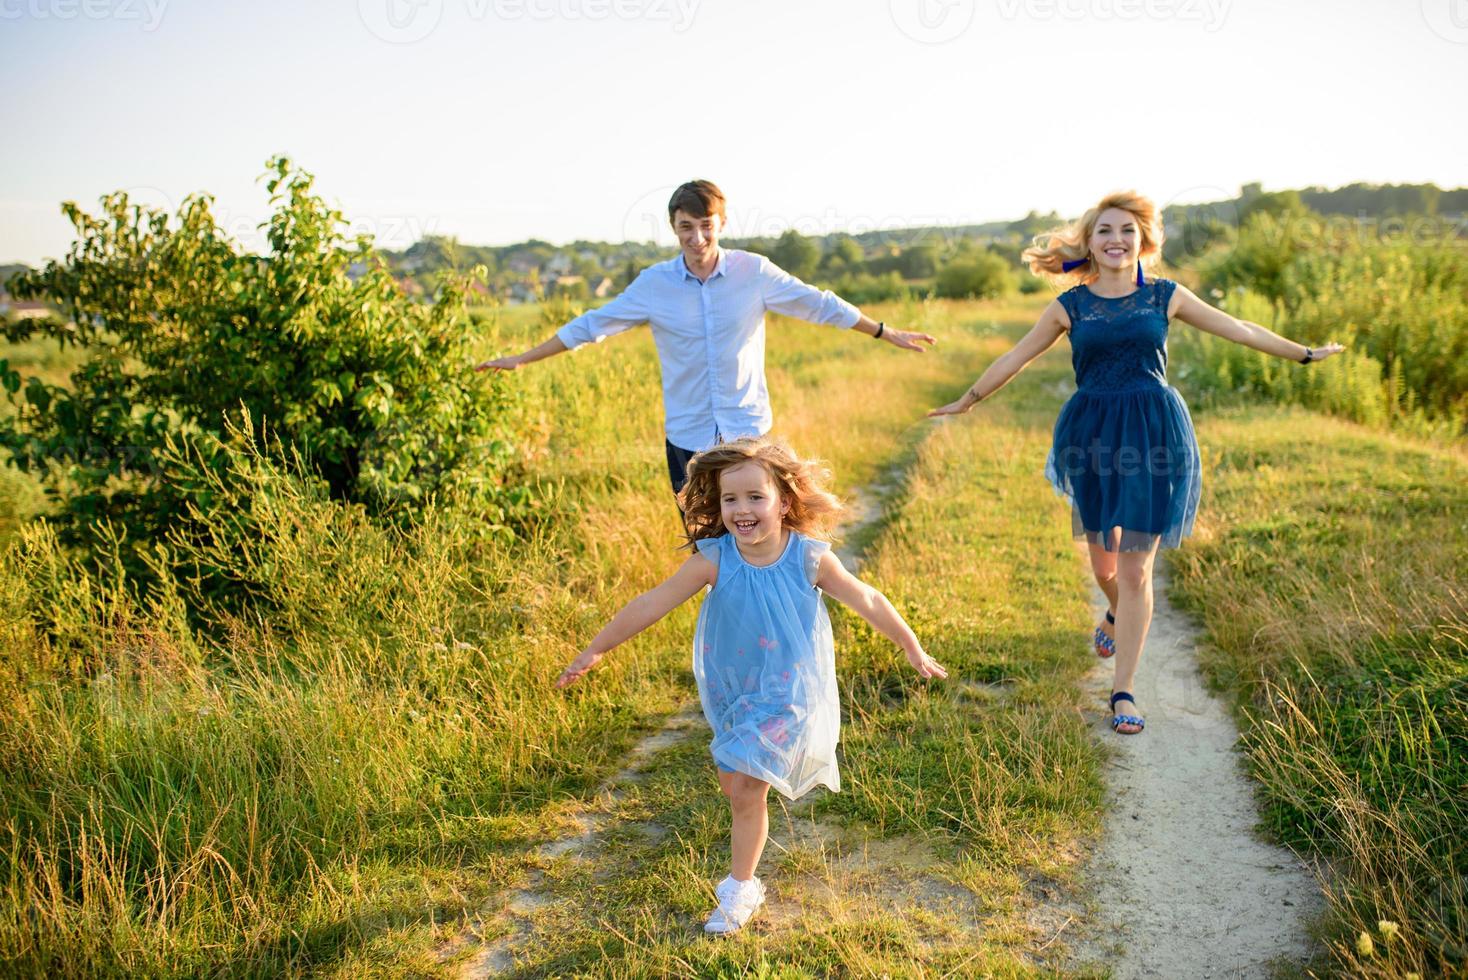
column 1051, row 326
column 1187, row 307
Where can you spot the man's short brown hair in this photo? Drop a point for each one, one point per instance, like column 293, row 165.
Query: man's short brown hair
column 699, row 198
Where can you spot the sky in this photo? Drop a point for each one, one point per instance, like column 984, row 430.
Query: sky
column 502, row 120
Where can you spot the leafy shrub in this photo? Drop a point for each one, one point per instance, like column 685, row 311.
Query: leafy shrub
column 315, row 340
column 981, row 275
column 1401, row 310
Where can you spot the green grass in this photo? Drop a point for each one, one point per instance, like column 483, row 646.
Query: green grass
column 1329, row 580
column 343, row 788
column 992, row 776
column 20, row 493
column 334, row 789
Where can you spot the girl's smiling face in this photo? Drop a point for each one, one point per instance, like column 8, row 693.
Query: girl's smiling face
column 750, row 505
column 1116, row 240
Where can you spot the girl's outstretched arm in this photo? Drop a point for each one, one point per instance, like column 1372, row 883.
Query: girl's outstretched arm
column 642, row 612
column 872, row 606
column 1051, row 326
column 1188, row 308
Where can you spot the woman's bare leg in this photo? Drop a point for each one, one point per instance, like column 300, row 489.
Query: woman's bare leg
column 1133, row 616
column 1103, row 566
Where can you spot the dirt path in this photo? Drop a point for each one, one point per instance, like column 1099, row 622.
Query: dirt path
column 1184, row 886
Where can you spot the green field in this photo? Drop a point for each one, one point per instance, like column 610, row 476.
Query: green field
column 358, row 784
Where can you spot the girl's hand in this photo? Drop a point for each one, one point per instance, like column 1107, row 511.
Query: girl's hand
column 499, row 364
column 578, row 667
column 1321, row 353
column 925, row 665
column 953, row 408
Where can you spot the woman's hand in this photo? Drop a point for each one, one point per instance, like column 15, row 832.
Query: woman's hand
column 954, row 408
column 924, row 664
column 499, row 364
column 578, row 668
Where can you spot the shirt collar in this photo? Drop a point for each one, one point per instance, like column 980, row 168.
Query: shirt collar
column 718, row 265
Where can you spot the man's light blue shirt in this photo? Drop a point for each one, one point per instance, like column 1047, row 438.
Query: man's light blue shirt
column 711, row 338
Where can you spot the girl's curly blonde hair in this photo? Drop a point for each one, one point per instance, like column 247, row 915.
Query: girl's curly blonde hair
column 800, row 482
column 1053, row 248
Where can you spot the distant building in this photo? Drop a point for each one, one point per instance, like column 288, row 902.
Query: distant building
column 603, row 288
column 20, row 309
column 522, row 263
column 523, row 292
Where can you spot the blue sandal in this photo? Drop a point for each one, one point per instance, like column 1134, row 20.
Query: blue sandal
column 1105, row 645
column 1119, row 720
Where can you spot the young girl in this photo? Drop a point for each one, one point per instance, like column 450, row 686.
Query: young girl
column 762, row 649
column 1124, row 451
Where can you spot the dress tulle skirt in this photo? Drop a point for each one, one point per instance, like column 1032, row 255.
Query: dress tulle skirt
column 1127, row 460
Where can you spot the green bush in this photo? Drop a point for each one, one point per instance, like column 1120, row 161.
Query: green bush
column 182, row 329
column 1400, row 309
column 980, row 276
column 862, row 289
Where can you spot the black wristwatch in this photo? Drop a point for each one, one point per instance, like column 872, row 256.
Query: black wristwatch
column 881, row 325
column 1309, row 355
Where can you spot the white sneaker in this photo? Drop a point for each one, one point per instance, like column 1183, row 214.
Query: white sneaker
column 738, row 900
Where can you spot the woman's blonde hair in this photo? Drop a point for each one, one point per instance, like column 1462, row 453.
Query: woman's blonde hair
column 1047, row 255
column 800, row 482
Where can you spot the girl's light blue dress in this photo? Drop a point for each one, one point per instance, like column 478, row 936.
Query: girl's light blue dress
column 766, row 667
column 1124, row 449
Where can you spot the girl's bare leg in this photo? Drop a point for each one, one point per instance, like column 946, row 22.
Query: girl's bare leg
column 747, row 803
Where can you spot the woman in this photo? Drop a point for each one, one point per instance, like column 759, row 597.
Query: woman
column 1124, row 450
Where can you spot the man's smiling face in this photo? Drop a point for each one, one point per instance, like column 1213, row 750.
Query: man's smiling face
column 697, row 237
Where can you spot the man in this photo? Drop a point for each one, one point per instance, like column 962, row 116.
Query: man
column 706, row 308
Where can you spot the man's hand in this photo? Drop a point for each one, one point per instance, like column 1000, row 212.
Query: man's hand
column 1321, row 353
column 908, row 339
column 499, row 364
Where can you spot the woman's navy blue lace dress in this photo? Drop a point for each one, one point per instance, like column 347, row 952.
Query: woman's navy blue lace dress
column 1125, row 453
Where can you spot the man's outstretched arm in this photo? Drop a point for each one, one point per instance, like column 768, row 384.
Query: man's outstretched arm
column 591, row 327
column 786, row 294
column 906, row 339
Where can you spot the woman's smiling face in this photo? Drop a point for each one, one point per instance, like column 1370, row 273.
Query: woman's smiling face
column 1116, row 240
